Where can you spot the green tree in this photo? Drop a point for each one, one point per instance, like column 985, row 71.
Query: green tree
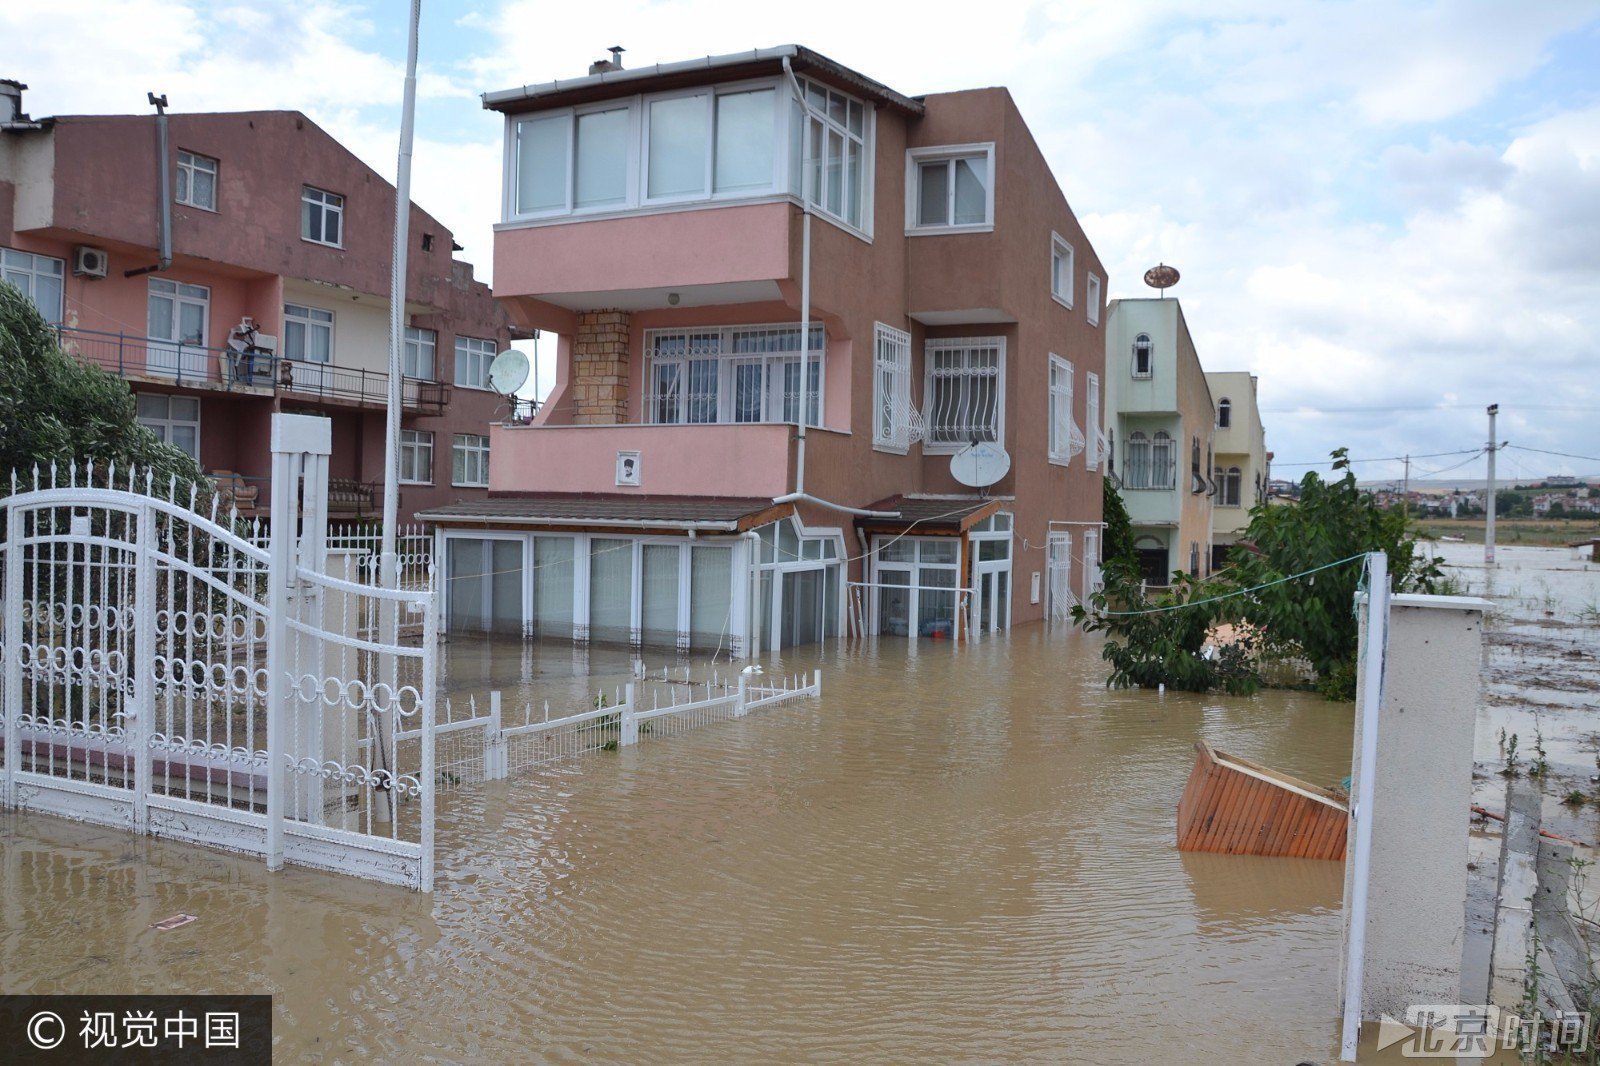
column 55, row 409
column 1116, row 546
column 1313, row 617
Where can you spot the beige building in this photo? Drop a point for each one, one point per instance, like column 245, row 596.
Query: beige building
column 1241, row 470
column 1161, row 421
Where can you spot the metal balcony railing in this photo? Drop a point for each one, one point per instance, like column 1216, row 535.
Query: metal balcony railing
column 196, row 365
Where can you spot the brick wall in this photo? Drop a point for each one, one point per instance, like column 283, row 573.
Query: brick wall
column 599, row 388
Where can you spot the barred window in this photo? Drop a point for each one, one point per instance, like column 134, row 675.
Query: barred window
column 1150, row 462
column 732, row 374
column 1091, row 422
column 1066, row 439
column 964, row 391
column 892, row 389
column 1143, row 356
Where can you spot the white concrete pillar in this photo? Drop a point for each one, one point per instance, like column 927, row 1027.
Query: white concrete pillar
column 1417, row 882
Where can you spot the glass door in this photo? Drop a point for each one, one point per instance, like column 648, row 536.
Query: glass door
column 177, row 328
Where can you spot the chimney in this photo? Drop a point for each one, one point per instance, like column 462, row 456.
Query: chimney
column 601, row 66
column 11, row 101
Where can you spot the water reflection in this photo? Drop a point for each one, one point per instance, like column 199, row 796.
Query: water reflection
column 959, row 852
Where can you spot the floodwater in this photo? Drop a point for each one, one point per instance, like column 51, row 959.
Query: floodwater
column 956, row 853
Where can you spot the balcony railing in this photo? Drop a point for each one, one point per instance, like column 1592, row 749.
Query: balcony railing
column 198, row 366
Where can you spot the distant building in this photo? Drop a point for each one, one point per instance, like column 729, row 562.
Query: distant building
column 1161, row 429
column 1242, row 470
column 276, row 296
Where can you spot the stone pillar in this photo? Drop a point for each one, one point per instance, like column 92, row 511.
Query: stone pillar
column 1417, row 890
column 599, row 388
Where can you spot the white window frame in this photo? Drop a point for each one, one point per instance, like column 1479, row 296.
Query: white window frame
column 470, row 448
column 328, row 204
column 788, row 119
column 863, row 140
column 716, row 344
column 162, row 427
column 891, row 389
column 1059, row 423
column 1091, row 297
column 301, row 316
column 916, row 157
column 1063, row 267
column 1145, row 341
column 474, row 349
column 1091, row 420
column 930, row 347
column 913, row 569
column 416, row 454
column 1232, row 476
column 417, row 342
column 188, row 164
column 24, row 269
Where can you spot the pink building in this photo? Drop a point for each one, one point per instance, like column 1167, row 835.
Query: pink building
column 654, row 219
column 257, row 281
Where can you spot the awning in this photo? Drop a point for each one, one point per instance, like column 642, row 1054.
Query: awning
column 933, row 515
column 584, row 511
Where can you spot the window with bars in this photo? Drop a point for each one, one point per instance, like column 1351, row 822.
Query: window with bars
column 1091, row 421
column 891, row 389
column 416, row 457
column 473, row 358
column 732, row 374
column 469, row 460
column 1224, row 413
column 1150, row 462
column 1144, row 354
column 1066, row 439
column 421, row 345
column 964, row 391
column 1231, row 486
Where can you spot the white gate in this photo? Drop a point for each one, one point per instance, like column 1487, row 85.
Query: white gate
column 1058, row 563
column 163, row 674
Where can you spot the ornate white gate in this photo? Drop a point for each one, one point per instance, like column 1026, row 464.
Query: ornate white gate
column 163, row 674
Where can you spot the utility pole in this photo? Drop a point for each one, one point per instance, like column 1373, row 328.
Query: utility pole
column 1488, row 525
column 1405, row 493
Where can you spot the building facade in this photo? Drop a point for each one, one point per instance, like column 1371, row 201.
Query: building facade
column 250, row 275
column 1242, row 470
column 1161, row 436
column 665, row 495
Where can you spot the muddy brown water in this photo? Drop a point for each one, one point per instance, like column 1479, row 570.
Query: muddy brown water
column 957, row 853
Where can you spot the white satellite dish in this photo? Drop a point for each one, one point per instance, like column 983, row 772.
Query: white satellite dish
column 508, row 372
column 980, row 464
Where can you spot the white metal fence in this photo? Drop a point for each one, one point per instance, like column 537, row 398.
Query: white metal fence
column 481, row 742
column 165, row 674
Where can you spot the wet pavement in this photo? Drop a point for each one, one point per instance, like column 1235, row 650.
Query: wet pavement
column 957, row 853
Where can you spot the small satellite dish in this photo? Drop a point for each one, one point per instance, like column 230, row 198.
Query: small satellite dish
column 980, row 464
column 508, row 372
column 1161, row 277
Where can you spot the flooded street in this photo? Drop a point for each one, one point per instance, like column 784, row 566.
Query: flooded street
column 962, row 853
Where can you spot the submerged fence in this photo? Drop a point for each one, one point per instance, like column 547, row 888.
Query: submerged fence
column 480, row 742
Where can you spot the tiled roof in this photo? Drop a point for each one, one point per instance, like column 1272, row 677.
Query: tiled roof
column 602, row 509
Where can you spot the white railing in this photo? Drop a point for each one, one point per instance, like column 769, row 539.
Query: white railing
column 480, row 742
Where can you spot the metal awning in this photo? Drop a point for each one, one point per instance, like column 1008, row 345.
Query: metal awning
column 933, row 515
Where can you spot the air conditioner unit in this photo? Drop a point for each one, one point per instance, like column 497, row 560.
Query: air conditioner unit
column 89, row 262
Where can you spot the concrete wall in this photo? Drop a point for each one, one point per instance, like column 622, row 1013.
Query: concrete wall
column 1242, row 444
column 1418, row 882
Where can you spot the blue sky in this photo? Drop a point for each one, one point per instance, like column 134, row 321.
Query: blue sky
column 1390, row 211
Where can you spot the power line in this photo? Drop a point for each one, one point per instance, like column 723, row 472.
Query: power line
column 1237, row 592
column 1564, row 455
column 1384, row 459
column 1309, row 409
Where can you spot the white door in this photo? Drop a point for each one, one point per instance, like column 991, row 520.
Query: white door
column 177, row 329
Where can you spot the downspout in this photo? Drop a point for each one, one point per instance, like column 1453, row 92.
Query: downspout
column 164, row 260
column 799, row 494
column 753, row 598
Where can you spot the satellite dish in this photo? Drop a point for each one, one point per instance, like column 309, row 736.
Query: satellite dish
column 508, row 372
column 1161, row 277
column 980, row 464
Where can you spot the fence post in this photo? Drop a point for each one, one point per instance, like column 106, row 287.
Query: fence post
column 630, row 725
column 740, row 703
column 139, row 726
column 816, row 686
column 13, row 656
column 494, row 742
column 280, row 573
column 429, row 775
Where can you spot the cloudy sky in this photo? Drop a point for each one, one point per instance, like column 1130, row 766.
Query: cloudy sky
column 1388, row 210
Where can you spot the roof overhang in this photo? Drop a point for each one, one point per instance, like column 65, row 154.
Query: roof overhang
column 568, row 513
column 931, row 516
column 757, row 62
